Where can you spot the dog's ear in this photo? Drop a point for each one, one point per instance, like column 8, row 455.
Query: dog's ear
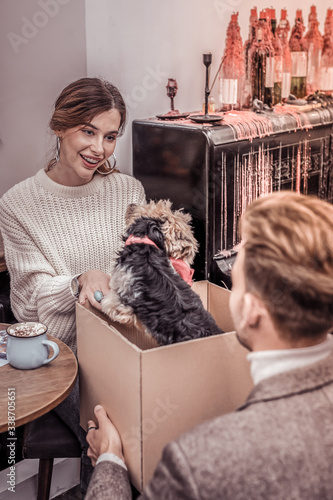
column 185, row 216
column 156, row 235
column 179, row 239
column 163, row 206
column 130, row 213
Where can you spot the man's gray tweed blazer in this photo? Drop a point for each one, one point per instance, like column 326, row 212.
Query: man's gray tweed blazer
column 278, row 445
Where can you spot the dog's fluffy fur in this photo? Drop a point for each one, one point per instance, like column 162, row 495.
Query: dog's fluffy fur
column 145, row 289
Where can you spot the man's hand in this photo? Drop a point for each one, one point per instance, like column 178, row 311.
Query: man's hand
column 104, row 438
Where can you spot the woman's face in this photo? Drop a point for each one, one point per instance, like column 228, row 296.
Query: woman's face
column 85, row 148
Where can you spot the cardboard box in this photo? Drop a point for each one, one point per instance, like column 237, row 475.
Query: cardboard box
column 153, row 394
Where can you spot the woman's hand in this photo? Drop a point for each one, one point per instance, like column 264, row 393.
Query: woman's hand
column 90, row 282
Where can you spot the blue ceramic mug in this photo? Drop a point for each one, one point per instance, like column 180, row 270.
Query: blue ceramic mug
column 28, row 345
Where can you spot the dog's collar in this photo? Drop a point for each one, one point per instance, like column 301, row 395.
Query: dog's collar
column 138, row 239
column 179, row 265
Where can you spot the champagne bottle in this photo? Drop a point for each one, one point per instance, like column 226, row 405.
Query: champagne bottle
column 262, row 62
column 231, row 78
column 314, row 44
column 298, row 53
column 247, row 46
column 282, row 32
column 326, row 70
column 277, row 90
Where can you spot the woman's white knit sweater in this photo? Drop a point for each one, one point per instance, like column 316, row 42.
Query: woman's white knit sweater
column 52, row 233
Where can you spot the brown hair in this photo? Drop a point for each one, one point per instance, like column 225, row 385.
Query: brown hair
column 288, row 242
column 82, row 100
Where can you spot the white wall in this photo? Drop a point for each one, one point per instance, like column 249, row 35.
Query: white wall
column 128, row 41
column 137, row 44
column 42, row 48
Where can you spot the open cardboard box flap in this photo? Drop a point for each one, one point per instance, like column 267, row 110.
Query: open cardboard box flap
column 153, row 394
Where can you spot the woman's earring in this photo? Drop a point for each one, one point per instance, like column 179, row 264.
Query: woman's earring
column 108, row 168
column 114, row 162
column 57, row 155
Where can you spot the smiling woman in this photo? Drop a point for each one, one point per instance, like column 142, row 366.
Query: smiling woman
column 79, row 108
column 62, row 228
column 84, row 149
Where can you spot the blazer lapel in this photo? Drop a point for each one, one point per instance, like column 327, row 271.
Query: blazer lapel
column 292, row 382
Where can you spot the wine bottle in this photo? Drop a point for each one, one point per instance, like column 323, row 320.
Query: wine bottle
column 247, row 45
column 326, row 70
column 298, row 54
column 262, row 62
column 277, row 90
column 282, row 32
column 314, row 44
column 231, row 78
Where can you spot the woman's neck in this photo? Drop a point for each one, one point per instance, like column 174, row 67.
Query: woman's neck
column 67, row 177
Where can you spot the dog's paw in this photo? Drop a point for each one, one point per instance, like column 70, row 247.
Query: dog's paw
column 123, row 315
column 115, row 310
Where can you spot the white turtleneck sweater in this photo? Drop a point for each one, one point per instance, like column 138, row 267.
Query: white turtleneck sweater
column 265, row 364
column 52, row 233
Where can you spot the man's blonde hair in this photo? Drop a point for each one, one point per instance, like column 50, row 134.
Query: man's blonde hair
column 288, row 242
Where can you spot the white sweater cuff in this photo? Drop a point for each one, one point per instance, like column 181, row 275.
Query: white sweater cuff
column 56, row 294
column 110, row 457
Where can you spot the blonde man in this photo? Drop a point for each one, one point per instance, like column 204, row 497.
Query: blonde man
column 279, row 444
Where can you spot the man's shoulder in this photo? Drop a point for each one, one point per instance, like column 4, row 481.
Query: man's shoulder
column 234, row 452
column 227, row 429
column 270, row 418
column 215, row 457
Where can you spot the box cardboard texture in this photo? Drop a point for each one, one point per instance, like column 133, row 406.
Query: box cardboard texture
column 154, row 394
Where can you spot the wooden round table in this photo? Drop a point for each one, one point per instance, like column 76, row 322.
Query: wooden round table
column 35, row 392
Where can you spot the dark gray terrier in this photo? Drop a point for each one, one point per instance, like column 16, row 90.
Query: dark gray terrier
column 145, row 289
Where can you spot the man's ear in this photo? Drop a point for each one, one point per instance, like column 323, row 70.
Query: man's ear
column 252, row 310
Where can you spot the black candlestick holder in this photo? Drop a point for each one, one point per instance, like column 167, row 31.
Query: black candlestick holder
column 207, row 60
column 172, row 88
column 206, row 118
column 173, row 114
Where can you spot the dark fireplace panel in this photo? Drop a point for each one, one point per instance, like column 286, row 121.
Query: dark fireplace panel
column 208, row 173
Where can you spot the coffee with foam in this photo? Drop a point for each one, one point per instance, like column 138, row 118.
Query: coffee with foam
column 28, row 329
column 28, row 345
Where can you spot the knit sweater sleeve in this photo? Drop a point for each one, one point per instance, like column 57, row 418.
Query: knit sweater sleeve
column 37, row 292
